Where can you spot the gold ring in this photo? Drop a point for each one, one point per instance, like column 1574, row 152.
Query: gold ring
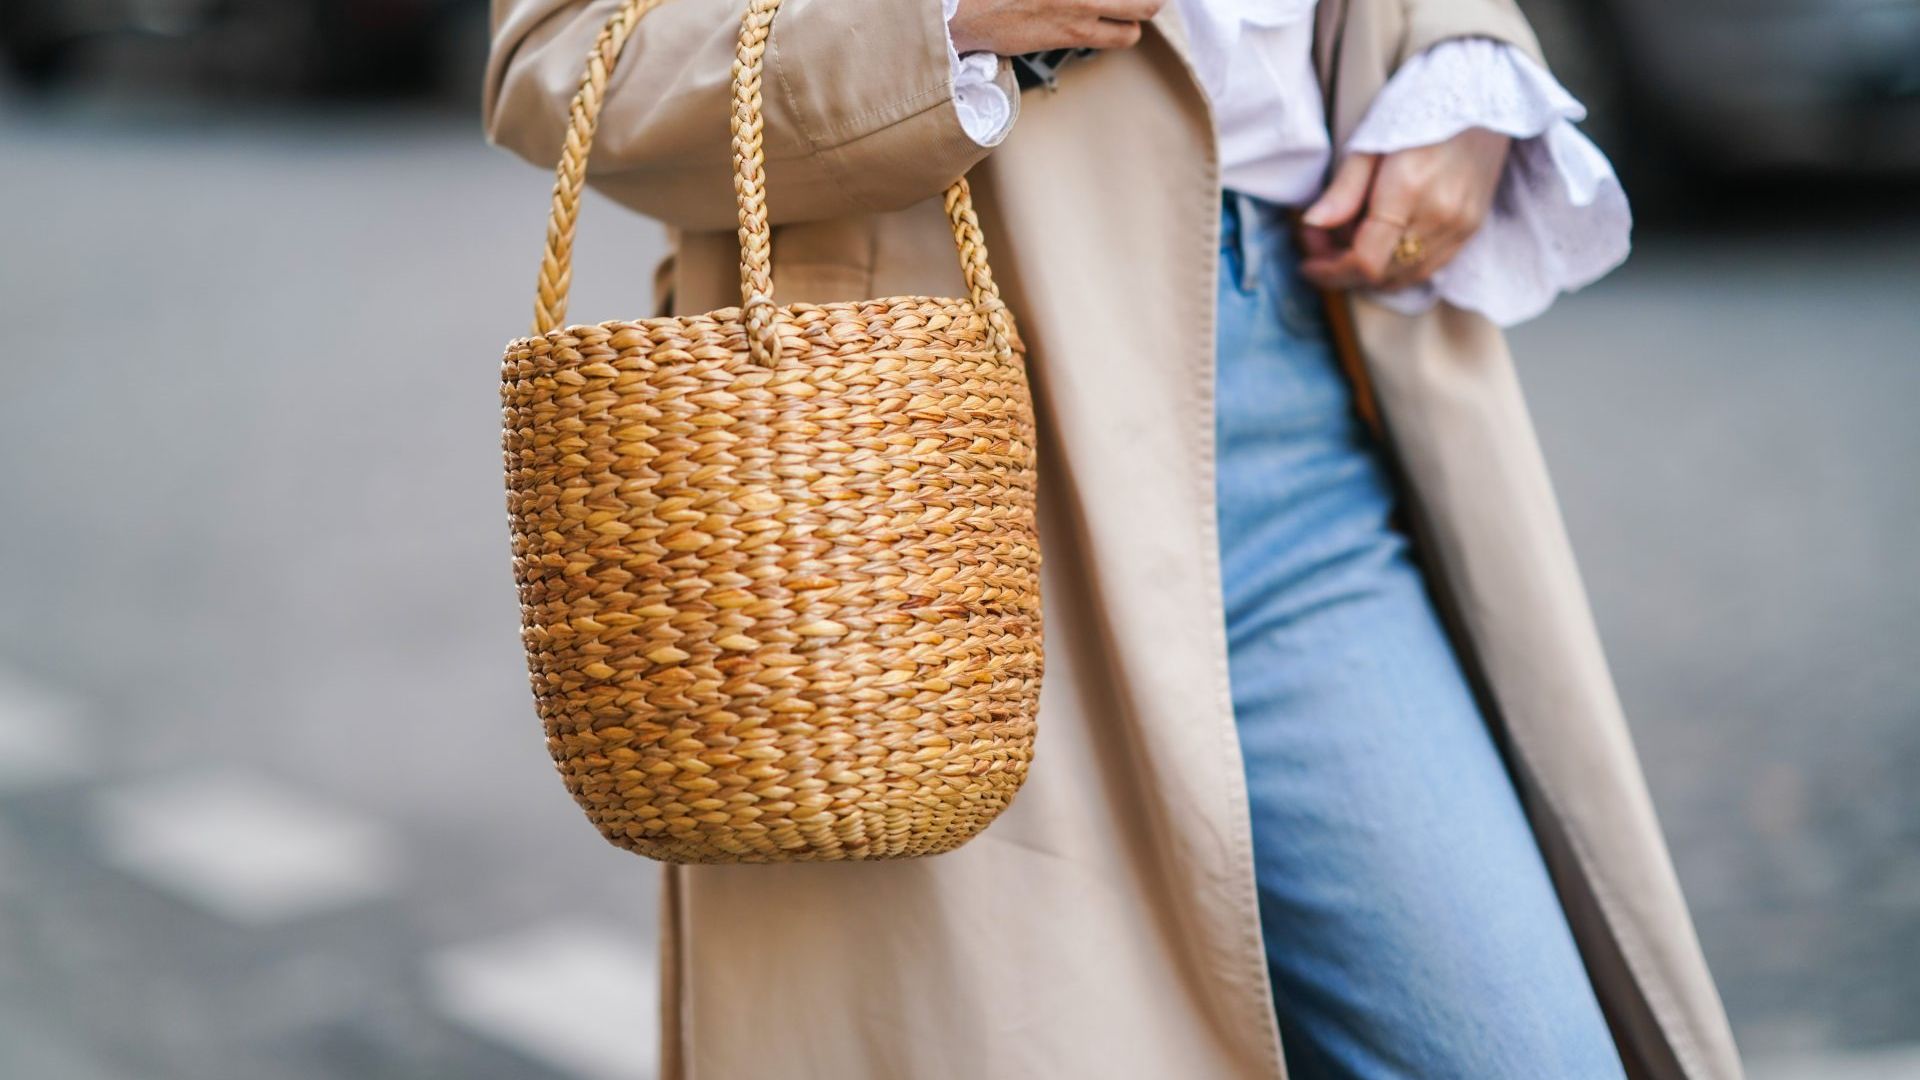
column 1409, row 250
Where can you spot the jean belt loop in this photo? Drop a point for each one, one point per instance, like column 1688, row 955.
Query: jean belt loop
column 1252, row 239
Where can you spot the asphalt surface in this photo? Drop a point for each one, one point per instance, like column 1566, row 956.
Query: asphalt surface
column 273, row 801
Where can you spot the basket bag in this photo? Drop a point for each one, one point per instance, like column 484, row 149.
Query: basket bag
column 777, row 564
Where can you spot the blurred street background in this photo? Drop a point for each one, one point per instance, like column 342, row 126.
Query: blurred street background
column 273, row 800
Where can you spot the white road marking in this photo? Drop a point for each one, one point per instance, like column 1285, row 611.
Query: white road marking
column 41, row 741
column 243, row 847
column 580, row 998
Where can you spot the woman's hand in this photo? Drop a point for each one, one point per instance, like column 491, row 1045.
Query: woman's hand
column 1388, row 222
column 1012, row 27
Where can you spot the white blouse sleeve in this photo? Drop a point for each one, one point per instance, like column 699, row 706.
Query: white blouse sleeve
column 985, row 111
column 1559, row 218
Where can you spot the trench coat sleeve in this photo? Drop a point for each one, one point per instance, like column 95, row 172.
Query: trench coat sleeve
column 858, row 104
column 1361, row 43
column 1430, row 22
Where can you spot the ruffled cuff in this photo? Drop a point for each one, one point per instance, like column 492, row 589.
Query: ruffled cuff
column 985, row 110
column 1559, row 219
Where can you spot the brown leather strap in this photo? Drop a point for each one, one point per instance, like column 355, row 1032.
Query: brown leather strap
column 1346, row 343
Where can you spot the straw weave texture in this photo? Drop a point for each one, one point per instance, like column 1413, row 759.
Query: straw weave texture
column 777, row 565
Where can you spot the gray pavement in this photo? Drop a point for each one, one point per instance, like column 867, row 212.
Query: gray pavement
column 1731, row 420
column 273, row 802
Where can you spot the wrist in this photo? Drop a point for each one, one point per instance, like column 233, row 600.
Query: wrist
column 965, row 40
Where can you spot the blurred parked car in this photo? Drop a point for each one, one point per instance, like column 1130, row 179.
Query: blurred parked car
column 285, row 46
column 1722, row 87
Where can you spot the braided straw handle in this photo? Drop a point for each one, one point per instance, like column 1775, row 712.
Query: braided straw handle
column 761, row 315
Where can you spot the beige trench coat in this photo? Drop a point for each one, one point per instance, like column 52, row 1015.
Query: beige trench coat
column 1105, row 926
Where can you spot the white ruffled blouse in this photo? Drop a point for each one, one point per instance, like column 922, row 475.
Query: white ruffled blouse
column 1559, row 219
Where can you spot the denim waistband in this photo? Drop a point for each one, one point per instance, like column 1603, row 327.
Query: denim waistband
column 1259, row 255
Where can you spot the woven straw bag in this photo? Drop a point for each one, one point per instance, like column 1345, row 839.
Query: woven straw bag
column 777, row 565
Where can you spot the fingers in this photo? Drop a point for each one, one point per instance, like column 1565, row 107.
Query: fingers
column 1109, row 34
column 1366, row 263
column 1320, row 243
column 1127, row 10
column 1330, row 260
column 1383, row 210
column 1345, row 194
column 1432, row 199
column 1374, row 243
column 1114, row 24
column 1398, row 208
column 1012, row 27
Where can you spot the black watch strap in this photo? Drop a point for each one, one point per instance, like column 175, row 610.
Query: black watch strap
column 1043, row 68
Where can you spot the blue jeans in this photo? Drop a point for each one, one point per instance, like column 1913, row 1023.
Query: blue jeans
column 1410, row 927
